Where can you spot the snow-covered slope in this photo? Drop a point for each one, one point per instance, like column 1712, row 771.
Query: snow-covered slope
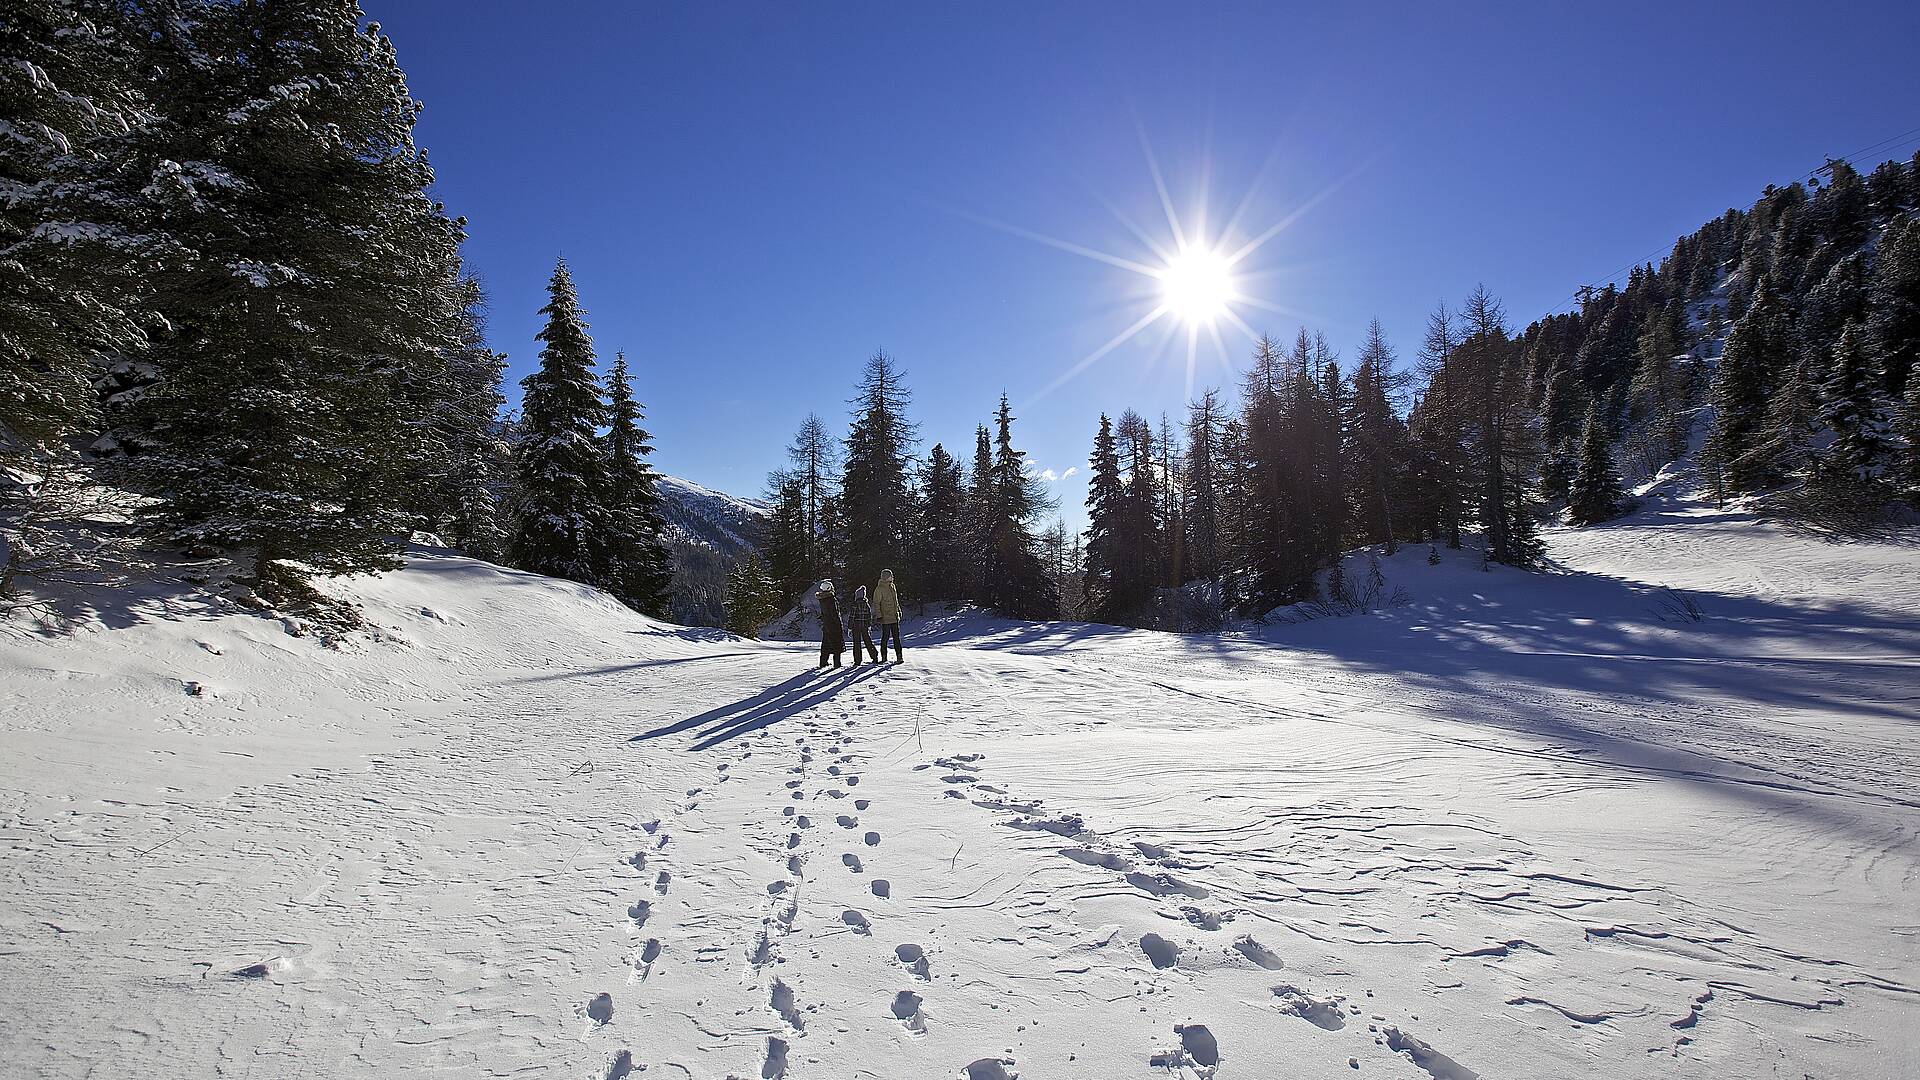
column 708, row 532
column 726, row 522
column 1520, row 825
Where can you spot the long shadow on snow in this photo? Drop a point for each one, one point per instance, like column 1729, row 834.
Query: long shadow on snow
column 764, row 709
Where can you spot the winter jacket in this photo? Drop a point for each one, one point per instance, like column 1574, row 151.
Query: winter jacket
column 830, row 631
column 859, row 613
column 886, row 600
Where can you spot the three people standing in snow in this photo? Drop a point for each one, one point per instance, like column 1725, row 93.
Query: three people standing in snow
column 860, row 616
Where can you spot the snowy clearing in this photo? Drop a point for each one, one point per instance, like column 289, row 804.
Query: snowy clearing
column 1522, row 826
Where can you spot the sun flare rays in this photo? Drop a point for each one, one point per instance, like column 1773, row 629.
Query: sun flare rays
column 1196, row 279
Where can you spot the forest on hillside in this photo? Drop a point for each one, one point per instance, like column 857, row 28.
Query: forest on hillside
column 238, row 332
column 1783, row 335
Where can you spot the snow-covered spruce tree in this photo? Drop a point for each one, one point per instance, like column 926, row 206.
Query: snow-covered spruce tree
column 1104, row 497
column 1504, row 453
column 1201, row 490
column 789, row 539
column 1658, row 393
column 464, row 456
column 1893, row 299
column 320, row 283
column 562, row 523
column 1907, row 426
column 812, row 455
column 1760, row 344
column 1437, row 428
column 752, row 597
column 879, row 507
column 638, row 568
column 979, row 520
column 1374, row 451
column 1594, row 495
column 1016, row 582
column 1862, row 453
column 944, row 550
column 73, row 242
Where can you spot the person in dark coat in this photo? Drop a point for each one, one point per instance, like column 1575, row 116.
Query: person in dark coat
column 859, row 618
column 831, row 641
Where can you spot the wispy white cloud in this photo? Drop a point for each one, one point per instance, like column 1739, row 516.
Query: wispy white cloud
column 1052, row 477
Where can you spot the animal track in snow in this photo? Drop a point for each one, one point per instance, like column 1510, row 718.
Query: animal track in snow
column 1163, row 953
column 857, row 921
column 882, row 888
column 852, row 861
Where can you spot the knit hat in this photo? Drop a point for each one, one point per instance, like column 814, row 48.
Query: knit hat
column 860, row 593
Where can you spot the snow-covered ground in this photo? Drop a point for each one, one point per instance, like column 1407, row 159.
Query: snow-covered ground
column 1522, row 825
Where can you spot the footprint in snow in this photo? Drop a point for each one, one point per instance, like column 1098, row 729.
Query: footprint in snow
column 991, row 1069
column 915, row 958
column 621, row 1066
column 846, row 822
column 638, row 912
column 793, row 865
column 872, row 839
column 783, row 1003
column 857, row 921
column 775, row 888
column 906, row 1008
column 776, row 1066
column 882, row 888
column 660, row 883
column 852, row 861
column 1163, row 953
column 862, row 804
column 1258, row 953
column 803, row 821
column 793, row 840
column 600, row 1008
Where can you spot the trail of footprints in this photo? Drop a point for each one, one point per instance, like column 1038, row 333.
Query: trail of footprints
column 1151, row 869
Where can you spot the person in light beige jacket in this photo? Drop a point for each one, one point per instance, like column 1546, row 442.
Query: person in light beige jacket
column 886, row 612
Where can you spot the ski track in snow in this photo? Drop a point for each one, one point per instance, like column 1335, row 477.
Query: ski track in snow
column 563, row 840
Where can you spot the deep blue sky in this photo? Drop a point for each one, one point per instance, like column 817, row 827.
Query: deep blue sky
column 754, row 197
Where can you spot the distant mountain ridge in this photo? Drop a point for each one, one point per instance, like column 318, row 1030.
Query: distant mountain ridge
column 708, row 532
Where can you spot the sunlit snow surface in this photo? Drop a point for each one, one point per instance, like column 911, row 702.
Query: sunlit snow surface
column 1521, row 826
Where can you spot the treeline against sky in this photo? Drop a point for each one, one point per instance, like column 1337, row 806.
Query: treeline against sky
column 1782, row 337
column 228, row 293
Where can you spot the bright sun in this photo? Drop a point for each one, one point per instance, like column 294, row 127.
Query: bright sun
column 1197, row 285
